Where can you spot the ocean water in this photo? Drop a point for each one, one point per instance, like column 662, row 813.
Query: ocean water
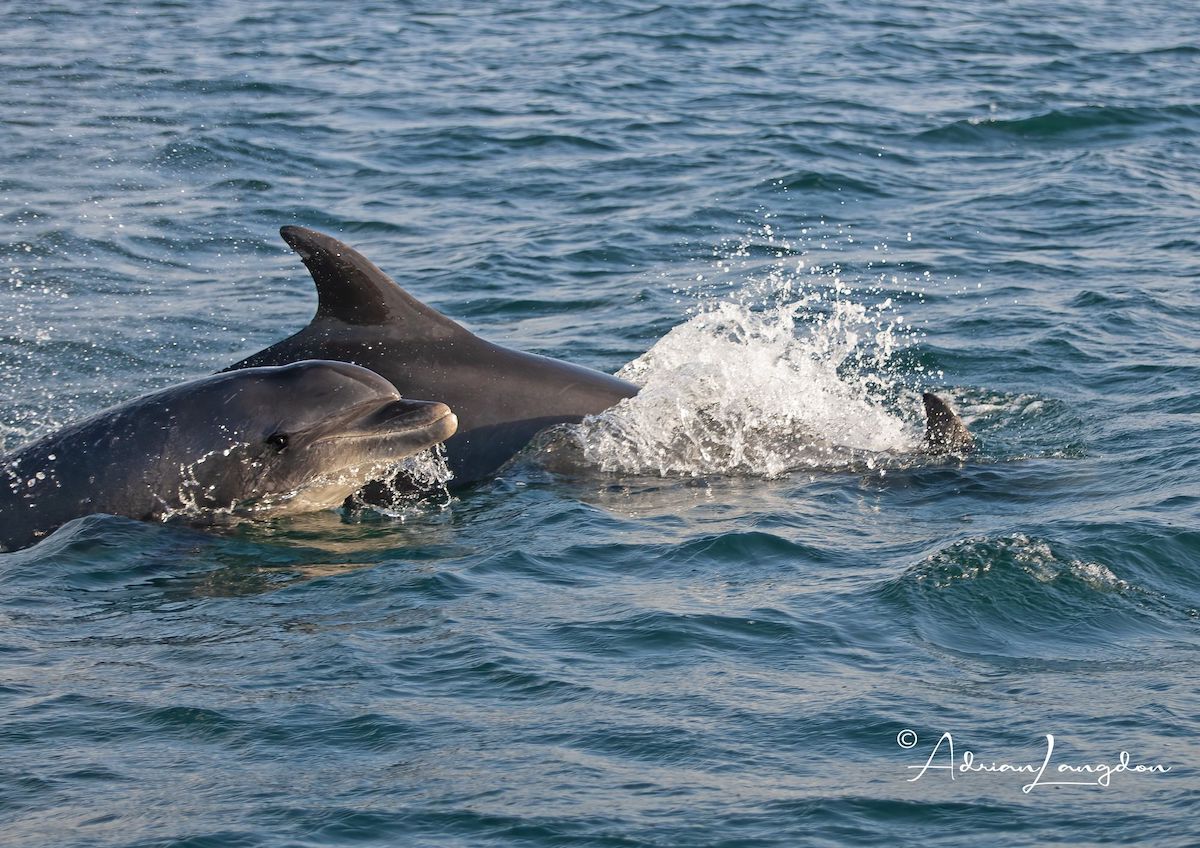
column 736, row 611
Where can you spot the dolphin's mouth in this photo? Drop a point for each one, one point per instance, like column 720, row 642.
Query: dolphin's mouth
column 406, row 426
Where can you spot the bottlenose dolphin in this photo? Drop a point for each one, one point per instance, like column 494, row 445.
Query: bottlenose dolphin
column 258, row 442
column 502, row 397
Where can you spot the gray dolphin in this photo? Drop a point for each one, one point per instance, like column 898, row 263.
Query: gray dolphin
column 502, row 397
column 258, row 442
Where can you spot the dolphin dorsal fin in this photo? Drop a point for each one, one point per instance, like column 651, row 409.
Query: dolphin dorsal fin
column 945, row 432
column 351, row 288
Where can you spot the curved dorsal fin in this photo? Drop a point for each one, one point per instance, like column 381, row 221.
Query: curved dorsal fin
column 352, row 289
column 945, row 432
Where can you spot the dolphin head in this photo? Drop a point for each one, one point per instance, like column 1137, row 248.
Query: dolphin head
column 302, row 437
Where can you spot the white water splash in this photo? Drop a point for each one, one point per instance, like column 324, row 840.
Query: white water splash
column 406, row 480
column 793, row 370
column 426, row 470
column 412, row 483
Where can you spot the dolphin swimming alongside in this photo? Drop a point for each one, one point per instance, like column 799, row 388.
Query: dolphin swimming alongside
column 502, row 397
column 258, row 442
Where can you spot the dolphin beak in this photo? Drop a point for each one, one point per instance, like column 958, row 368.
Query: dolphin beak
column 411, row 416
column 398, row 428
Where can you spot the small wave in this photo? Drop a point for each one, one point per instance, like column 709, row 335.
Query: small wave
column 816, row 181
column 1084, row 124
column 973, row 559
column 1022, row 426
column 1022, row 596
column 100, row 552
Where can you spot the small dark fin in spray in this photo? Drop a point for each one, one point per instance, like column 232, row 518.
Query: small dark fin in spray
column 352, row 289
column 945, row 432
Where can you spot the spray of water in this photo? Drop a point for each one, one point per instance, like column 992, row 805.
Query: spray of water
column 405, row 481
column 411, row 484
column 792, row 367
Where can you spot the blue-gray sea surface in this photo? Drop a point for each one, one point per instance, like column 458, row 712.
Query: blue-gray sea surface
column 810, row 212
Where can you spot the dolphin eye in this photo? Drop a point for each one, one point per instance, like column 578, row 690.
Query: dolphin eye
column 279, row 441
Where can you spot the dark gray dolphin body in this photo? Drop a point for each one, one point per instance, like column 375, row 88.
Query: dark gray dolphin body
column 263, row 441
column 502, row 397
